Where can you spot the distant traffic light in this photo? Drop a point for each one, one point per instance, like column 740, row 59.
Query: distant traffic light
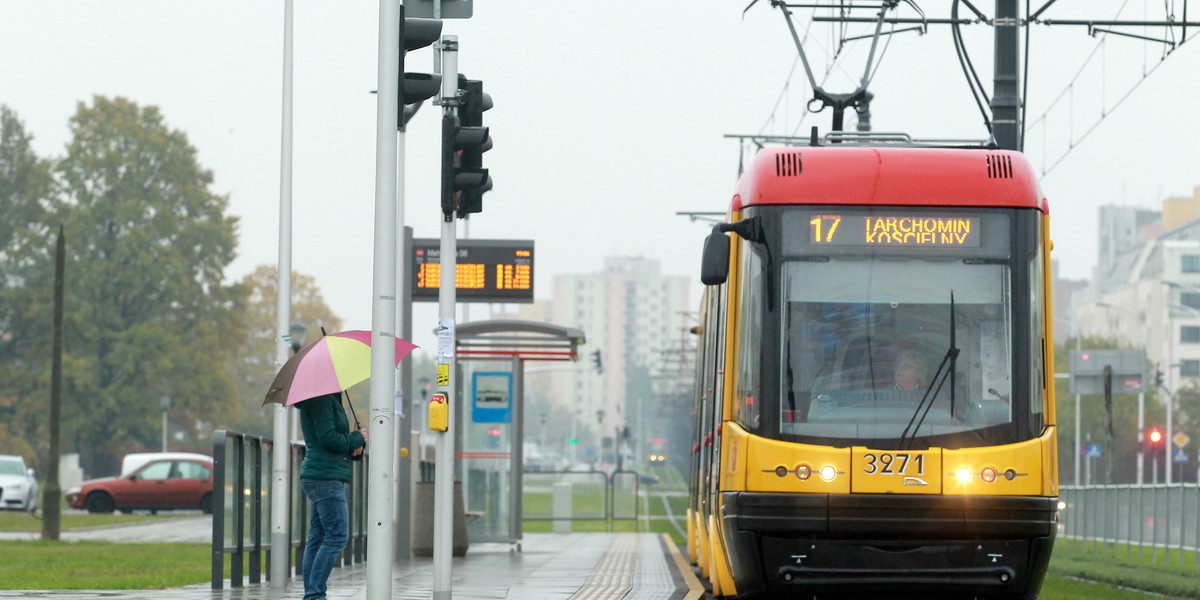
column 1158, row 375
column 1155, row 437
column 597, row 361
column 415, row 88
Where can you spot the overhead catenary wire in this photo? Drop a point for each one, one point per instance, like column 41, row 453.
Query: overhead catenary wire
column 973, row 82
column 833, row 56
column 1099, row 52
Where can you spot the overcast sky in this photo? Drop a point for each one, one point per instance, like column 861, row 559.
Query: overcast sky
column 609, row 115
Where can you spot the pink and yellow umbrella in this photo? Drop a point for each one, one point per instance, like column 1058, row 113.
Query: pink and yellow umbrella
column 327, row 366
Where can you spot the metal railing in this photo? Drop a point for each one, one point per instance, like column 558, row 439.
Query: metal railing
column 1101, row 519
column 241, row 520
column 594, row 495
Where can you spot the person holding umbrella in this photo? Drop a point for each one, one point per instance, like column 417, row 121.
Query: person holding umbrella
column 323, row 476
column 314, row 379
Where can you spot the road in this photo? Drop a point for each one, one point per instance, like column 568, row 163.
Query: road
column 191, row 527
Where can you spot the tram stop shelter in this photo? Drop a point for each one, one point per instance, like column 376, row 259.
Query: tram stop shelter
column 489, row 457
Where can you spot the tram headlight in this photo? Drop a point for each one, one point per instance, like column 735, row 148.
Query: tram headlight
column 988, row 474
column 803, row 472
column 964, row 475
column 828, row 472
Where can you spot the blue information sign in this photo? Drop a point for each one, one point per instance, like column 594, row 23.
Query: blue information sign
column 1093, row 451
column 1181, row 455
column 492, row 394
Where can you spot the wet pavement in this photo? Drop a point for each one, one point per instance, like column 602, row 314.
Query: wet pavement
column 576, row 566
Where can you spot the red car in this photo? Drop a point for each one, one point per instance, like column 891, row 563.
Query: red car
column 163, row 484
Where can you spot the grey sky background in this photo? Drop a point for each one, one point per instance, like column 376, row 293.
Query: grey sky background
column 608, row 117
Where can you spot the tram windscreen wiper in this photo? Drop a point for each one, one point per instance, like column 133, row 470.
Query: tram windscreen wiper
column 944, row 370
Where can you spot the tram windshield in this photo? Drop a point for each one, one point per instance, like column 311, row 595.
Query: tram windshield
column 884, row 340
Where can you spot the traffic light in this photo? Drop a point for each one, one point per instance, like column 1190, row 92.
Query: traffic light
column 415, row 88
column 473, row 102
column 1158, row 375
column 459, row 140
column 1155, row 437
column 596, row 361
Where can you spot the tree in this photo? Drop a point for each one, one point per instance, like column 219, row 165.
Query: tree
column 147, row 313
column 24, row 181
column 254, row 365
column 25, row 187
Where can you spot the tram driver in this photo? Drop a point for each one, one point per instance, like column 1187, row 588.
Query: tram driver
column 913, row 371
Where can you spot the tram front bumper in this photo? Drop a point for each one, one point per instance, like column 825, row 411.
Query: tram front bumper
column 971, row 544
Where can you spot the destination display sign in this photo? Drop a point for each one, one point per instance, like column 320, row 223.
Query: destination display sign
column 485, row 270
column 894, row 229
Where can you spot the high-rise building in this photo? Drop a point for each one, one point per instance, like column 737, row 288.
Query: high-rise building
column 630, row 313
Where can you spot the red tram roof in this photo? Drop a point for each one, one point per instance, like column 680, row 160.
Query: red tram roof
column 890, row 175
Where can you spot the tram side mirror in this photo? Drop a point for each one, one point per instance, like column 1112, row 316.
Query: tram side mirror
column 714, row 268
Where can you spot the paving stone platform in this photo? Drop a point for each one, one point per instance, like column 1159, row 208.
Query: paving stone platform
column 576, row 566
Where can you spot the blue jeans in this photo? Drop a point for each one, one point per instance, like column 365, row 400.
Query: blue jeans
column 328, row 531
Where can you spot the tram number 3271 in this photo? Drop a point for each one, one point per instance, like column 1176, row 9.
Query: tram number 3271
column 893, row 464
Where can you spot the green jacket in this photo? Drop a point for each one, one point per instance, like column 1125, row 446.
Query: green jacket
column 329, row 439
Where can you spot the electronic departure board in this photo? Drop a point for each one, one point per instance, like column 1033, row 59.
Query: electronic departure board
column 485, row 270
column 830, row 228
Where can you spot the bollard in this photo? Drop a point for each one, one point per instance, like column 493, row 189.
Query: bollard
column 562, row 507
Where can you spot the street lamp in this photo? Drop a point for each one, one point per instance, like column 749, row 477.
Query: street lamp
column 166, row 403
column 1141, row 424
column 297, row 332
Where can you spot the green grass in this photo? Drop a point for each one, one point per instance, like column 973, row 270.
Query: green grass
column 1064, row 588
column 1137, row 571
column 23, row 521
column 652, row 517
column 38, row 565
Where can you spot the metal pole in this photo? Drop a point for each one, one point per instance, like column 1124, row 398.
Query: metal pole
column 281, row 454
column 518, row 456
column 1141, row 446
column 1006, row 94
column 166, row 403
column 1078, row 447
column 443, row 479
column 1154, row 530
column 381, row 429
column 1167, row 443
column 404, row 422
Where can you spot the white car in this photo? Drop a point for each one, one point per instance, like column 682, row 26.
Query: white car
column 18, row 488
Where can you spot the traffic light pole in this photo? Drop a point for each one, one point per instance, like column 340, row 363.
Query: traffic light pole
column 381, row 429
column 443, row 476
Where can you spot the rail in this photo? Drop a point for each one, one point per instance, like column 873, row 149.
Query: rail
column 1101, row 519
column 242, row 482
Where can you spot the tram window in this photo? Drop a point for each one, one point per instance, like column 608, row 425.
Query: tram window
column 746, row 402
column 851, row 323
column 1037, row 348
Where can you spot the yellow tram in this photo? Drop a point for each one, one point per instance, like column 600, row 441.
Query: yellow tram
column 874, row 406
